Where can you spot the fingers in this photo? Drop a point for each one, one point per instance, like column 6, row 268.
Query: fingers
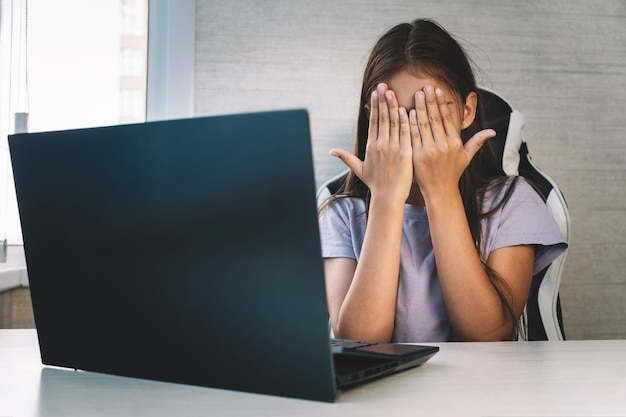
column 388, row 149
column 384, row 117
column 405, row 139
column 383, row 113
column 435, row 122
column 351, row 161
column 434, row 116
column 379, row 115
column 422, row 122
column 416, row 139
column 373, row 126
column 473, row 145
column 393, row 129
column 384, row 121
column 444, row 110
column 405, row 128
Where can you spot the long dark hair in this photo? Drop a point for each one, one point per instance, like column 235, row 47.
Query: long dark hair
column 425, row 48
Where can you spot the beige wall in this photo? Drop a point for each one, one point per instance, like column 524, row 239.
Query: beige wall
column 16, row 310
column 562, row 63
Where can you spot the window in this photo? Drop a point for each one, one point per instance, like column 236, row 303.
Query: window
column 133, row 62
column 68, row 64
column 132, row 104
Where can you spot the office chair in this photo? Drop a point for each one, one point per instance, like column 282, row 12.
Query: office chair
column 542, row 319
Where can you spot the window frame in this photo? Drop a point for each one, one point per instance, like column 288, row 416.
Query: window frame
column 171, row 59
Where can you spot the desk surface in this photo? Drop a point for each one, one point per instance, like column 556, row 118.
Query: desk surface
column 572, row 378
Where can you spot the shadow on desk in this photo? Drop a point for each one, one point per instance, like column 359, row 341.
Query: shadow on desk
column 65, row 392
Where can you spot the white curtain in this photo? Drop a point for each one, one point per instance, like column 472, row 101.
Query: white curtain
column 13, row 103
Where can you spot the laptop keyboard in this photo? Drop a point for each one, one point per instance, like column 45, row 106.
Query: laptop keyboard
column 349, row 344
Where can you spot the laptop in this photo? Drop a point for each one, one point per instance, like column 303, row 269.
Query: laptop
column 186, row 251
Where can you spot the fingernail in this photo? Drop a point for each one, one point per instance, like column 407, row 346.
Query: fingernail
column 438, row 92
column 389, row 95
column 428, row 89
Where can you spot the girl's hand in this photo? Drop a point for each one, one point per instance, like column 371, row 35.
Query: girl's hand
column 439, row 156
column 388, row 167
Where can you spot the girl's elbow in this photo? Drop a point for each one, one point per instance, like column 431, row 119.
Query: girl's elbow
column 501, row 333
column 368, row 334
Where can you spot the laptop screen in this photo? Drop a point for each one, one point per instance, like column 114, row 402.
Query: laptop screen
column 184, row 251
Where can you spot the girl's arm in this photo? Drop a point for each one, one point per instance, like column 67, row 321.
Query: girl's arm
column 473, row 305
column 362, row 296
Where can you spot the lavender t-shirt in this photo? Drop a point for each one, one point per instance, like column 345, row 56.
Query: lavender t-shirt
column 420, row 310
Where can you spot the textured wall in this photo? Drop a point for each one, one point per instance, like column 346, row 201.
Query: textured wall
column 562, row 63
column 16, row 311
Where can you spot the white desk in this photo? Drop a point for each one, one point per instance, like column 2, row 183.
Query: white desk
column 572, row 378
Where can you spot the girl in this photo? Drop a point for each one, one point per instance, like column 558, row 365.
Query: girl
column 429, row 240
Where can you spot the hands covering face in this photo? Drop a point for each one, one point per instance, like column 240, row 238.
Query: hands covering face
column 422, row 146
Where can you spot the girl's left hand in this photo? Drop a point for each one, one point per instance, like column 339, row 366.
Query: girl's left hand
column 439, row 155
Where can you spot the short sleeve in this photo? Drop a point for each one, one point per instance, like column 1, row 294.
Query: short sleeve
column 342, row 228
column 523, row 220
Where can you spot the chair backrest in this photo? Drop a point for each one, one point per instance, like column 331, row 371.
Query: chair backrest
column 542, row 316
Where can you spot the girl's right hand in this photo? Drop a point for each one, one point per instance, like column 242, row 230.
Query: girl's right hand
column 388, row 166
